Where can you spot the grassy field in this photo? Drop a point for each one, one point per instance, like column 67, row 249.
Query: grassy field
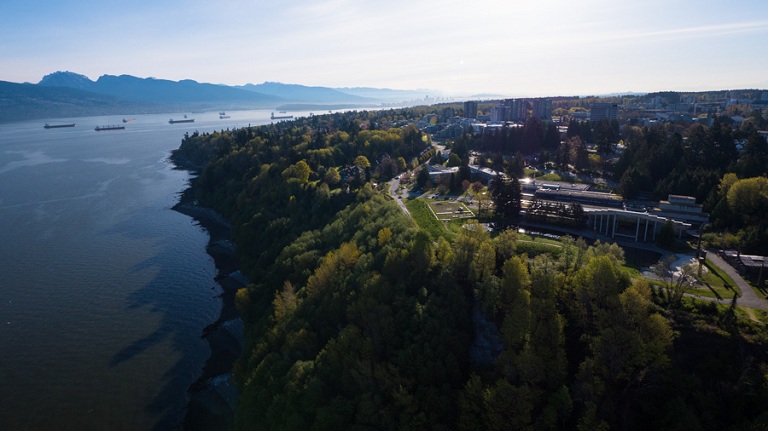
column 422, row 215
column 446, row 210
column 550, row 177
column 535, row 248
column 719, row 281
column 753, row 314
column 714, row 284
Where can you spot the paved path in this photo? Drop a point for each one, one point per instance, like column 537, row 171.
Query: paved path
column 748, row 296
column 393, row 186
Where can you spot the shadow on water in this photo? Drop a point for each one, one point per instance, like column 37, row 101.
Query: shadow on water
column 139, row 346
column 182, row 292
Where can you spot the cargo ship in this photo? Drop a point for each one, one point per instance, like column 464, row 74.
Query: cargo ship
column 281, row 117
column 115, row 127
column 58, row 126
column 128, row 120
column 185, row 120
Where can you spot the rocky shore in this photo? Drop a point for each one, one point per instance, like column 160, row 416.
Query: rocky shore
column 213, row 396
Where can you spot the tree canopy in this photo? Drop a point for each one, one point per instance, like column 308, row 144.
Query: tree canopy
column 357, row 319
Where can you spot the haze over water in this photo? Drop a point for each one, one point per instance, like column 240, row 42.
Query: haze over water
column 104, row 289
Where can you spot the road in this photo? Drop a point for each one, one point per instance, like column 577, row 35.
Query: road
column 394, row 185
column 748, row 296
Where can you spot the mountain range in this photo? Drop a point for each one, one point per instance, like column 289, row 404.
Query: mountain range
column 68, row 94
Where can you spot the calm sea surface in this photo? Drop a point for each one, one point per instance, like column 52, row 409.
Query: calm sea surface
column 104, row 290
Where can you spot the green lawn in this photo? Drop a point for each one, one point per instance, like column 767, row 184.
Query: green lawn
column 422, row 215
column 753, row 314
column 535, row 248
column 447, row 210
column 715, row 284
column 526, row 237
column 721, row 282
column 550, row 177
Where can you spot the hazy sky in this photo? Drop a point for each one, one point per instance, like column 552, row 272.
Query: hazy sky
column 509, row 47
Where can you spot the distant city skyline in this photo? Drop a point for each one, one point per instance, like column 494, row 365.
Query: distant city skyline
column 457, row 48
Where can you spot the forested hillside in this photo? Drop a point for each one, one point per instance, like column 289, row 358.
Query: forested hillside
column 357, row 319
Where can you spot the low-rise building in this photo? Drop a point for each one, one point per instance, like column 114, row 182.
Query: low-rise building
column 750, row 266
column 483, row 174
column 683, row 208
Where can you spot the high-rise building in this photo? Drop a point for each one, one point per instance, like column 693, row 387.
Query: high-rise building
column 470, row 109
column 604, row 111
column 518, row 109
column 542, row 108
column 499, row 113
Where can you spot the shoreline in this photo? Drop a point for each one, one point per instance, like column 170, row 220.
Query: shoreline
column 213, row 396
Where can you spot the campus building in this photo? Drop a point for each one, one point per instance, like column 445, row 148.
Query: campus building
column 604, row 111
column 609, row 215
column 630, row 225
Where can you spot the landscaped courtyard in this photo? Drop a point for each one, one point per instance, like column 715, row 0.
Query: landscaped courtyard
column 447, row 210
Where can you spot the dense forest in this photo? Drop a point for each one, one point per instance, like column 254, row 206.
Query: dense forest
column 358, row 319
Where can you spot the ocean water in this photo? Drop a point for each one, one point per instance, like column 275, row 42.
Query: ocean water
column 104, row 289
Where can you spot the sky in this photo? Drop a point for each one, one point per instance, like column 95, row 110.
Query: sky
column 454, row 48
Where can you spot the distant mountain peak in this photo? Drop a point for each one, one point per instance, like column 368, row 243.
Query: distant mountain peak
column 67, row 79
column 303, row 93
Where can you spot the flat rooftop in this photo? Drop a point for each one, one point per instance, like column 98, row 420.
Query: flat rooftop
column 553, row 185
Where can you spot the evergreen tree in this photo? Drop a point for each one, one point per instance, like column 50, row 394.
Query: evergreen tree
column 507, row 197
column 422, row 178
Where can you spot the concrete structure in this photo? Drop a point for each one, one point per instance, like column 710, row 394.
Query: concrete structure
column 530, row 185
column 517, row 109
column 683, row 208
column 483, row 174
column 607, row 214
column 548, row 192
column 439, row 172
column 604, row 111
column 470, row 109
column 751, row 266
column 636, row 226
column 542, row 108
column 499, row 113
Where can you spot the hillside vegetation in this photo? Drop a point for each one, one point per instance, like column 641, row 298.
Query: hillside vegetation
column 357, row 319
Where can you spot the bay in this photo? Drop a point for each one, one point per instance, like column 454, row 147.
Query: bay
column 104, row 289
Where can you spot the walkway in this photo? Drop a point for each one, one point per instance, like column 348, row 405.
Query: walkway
column 393, row 186
column 748, row 296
